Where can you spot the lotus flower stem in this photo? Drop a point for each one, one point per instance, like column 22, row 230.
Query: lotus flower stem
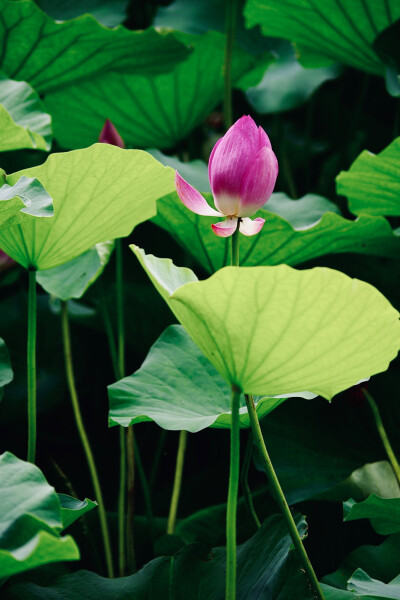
column 382, row 433
column 231, row 8
column 176, row 491
column 280, row 497
column 69, row 368
column 230, row 593
column 235, row 247
column 31, row 364
column 244, row 482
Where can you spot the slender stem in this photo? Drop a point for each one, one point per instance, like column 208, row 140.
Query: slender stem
column 31, row 364
column 280, row 497
column 180, row 459
column 83, row 436
column 230, row 593
column 383, row 435
column 157, row 458
column 109, row 331
column 231, row 8
column 235, row 247
column 120, row 308
column 130, row 499
column 146, row 492
column 121, row 502
column 244, row 482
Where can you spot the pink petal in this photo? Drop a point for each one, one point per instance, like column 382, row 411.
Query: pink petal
column 192, row 199
column 110, row 135
column 231, row 160
column 259, row 182
column 225, row 228
column 249, row 227
column 264, row 139
column 211, row 158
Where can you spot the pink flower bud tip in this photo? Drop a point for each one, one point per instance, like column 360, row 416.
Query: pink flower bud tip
column 242, row 170
column 110, row 135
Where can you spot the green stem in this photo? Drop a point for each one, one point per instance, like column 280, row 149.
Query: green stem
column 121, row 502
column 31, row 365
column 280, row 497
column 383, row 435
column 244, row 482
column 120, row 308
column 180, row 459
column 231, row 8
column 230, row 593
column 235, row 246
column 146, row 492
column 157, row 458
column 109, row 331
column 83, row 436
column 130, row 499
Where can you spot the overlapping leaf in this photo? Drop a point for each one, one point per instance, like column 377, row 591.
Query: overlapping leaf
column 275, row 330
column 372, row 184
column 329, row 31
column 6, row 373
column 108, row 12
column 295, row 231
column 384, row 513
column 26, row 197
column 178, row 388
column 49, row 54
column 30, row 519
column 23, row 120
column 148, row 110
column 362, row 584
column 99, row 193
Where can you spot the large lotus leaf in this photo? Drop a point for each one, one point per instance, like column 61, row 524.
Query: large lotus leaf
column 178, row 388
column 387, row 47
column 50, row 54
column 295, row 231
column 6, row 373
column 264, row 563
column 362, row 584
column 108, row 12
column 30, row 519
column 25, row 197
column 327, row 31
column 275, row 330
column 372, row 184
column 99, row 193
column 72, row 508
column 148, row 110
column 23, row 120
column 72, row 279
column 384, row 513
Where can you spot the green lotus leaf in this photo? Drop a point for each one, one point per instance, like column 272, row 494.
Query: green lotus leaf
column 149, row 111
column 99, row 193
column 72, row 508
column 274, row 330
column 108, row 12
column 23, row 120
column 26, row 197
column 72, row 279
column 363, row 584
column 178, row 388
column 372, row 184
column 328, row 31
column 6, row 373
column 295, row 231
column 384, row 513
column 60, row 54
column 30, row 519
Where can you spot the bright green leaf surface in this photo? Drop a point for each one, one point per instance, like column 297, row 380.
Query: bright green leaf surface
column 30, row 519
column 23, row 121
column 384, row 513
column 275, row 330
column 25, row 197
column 361, row 583
column 50, row 55
column 178, row 388
column 99, row 193
column 72, row 509
column 329, row 31
column 108, row 12
column 295, row 231
column 286, row 84
column 264, row 562
column 72, row 279
column 148, row 111
column 372, row 184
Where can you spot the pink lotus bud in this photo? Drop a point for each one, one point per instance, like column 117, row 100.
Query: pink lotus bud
column 242, row 170
column 110, row 135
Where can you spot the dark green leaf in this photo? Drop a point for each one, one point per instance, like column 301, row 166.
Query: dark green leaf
column 108, row 12
column 363, row 584
column 72, row 509
column 6, row 373
column 384, row 513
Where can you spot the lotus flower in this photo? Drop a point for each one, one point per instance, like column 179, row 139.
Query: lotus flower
column 110, row 135
column 242, row 170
